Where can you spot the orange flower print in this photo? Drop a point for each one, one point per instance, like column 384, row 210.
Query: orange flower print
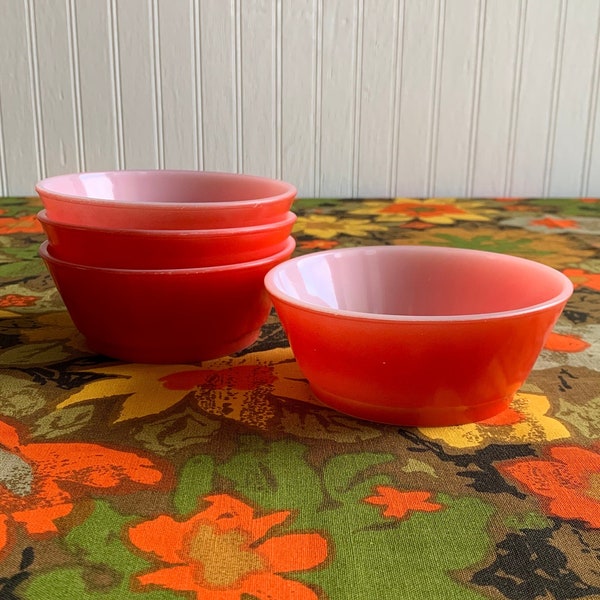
column 568, row 482
column 318, row 244
column 17, row 300
column 39, row 482
column 224, row 553
column 554, row 223
column 434, row 211
column 397, row 504
column 560, row 342
column 24, row 224
column 581, row 278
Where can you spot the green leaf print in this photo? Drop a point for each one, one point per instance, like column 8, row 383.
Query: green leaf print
column 106, row 567
column 330, row 500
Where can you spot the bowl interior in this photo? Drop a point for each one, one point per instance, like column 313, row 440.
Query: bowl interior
column 164, row 186
column 417, row 282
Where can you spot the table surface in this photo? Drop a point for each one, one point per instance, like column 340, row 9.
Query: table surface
column 227, row 480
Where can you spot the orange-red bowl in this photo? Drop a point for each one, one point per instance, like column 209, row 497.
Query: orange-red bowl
column 165, row 199
column 166, row 316
column 414, row 335
column 164, row 249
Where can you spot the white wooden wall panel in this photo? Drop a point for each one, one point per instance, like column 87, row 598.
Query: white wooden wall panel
column 497, row 88
column 590, row 184
column 339, row 78
column 175, row 30
column 341, row 97
column 95, row 79
column 54, row 73
column 258, row 30
column 140, row 85
column 374, row 146
column 419, row 94
column 19, row 140
column 297, row 131
column 536, row 101
column 220, row 94
column 454, row 122
column 567, row 167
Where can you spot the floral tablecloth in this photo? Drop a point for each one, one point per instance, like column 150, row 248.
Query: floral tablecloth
column 227, row 480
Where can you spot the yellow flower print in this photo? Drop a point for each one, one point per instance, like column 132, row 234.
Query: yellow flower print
column 56, row 327
column 525, row 422
column 330, row 226
column 242, row 388
column 436, row 211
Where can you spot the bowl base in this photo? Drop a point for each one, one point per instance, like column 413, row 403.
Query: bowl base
column 171, row 354
column 408, row 417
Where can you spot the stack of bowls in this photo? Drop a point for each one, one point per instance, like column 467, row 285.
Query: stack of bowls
column 165, row 266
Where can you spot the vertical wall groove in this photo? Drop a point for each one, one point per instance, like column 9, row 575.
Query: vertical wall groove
column 76, row 83
column 197, row 62
column 475, row 98
column 157, row 84
column 591, row 118
column 318, row 96
column 396, row 94
column 556, row 80
column 115, row 58
column 514, row 103
column 237, row 85
column 433, row 133
column 358, row 65
column 35, row 88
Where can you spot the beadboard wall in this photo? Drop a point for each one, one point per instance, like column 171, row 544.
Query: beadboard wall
column 341, row 97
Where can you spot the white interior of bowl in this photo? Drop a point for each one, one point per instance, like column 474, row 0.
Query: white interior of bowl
column 418, row 282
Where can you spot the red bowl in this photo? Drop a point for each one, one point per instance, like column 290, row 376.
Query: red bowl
column 165, row 199
column 166, row 316
column 416, row 336
column 164, row 249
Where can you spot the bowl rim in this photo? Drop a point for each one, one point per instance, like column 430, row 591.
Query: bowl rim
column 288, row 192
column 276, row 292
column 288, row 220
column 238, row 266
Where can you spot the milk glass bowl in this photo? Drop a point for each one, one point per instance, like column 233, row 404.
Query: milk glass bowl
column 415, row 335
column 166, row 315
column 165, row 199
column 165, row 248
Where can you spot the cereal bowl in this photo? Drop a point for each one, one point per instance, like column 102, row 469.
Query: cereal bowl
column 165, row 199
column 164, row 249
column 416, row 335
column 166, row 316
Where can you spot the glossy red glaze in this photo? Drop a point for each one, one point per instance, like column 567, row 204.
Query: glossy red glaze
column 416, row 336
column 168, row 316
column 165, row 199
column 164, row 249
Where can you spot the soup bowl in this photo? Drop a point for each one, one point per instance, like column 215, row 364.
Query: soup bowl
column 164, row 249
column 416, row 335
column 165, row 199
column 170, row 315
